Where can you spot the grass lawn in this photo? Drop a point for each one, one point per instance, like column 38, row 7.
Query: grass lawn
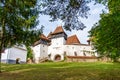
column 61, row 71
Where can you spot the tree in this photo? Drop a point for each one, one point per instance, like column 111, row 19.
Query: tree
column 29, row 53
column 69, row 11
column 17, row 23
column 107, row 32
column 18, row 18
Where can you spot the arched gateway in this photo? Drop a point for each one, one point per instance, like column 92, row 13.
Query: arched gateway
column 57, row 57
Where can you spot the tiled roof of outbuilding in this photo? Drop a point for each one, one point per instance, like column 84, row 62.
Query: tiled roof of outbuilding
column 72, row 40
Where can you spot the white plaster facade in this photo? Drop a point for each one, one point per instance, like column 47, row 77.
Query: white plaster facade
column 69, row 50
column 11, row 54
column 58, row 49
column 40, row 52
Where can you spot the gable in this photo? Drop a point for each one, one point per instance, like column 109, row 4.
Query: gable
column 59, row 29
column 73, row 40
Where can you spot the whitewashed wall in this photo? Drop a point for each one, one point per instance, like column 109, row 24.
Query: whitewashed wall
column 36, row 52
column 43, row 51
column 58, row 41
column 17, row 53
column 56, row 51
column 13, row 53
column 57, row 48
column 40, row 52
column 4, row 56
column 70, row 50
column 78, row 49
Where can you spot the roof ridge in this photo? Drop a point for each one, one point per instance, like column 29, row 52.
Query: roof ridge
column 42, row 36
column 58, row 29
column 73, row 40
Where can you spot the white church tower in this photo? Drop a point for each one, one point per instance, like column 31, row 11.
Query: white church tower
column 58, row 40
column 58, row 37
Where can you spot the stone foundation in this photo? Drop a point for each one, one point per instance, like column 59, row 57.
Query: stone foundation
column 81, row 59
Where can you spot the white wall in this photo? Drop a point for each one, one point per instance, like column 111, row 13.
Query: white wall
column 17, row 53
column 36, row 52
column 56, row 51
column 43, row 51
column 40, row 52
column 70, row 50
column 4, row 56
column 11, row 54
column 58, row 41
column 79, row 49
column 57, row 47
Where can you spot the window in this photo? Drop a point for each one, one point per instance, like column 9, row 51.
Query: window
column 43, row 50
column 72, row 47
column 84, row 54
column 75, row 53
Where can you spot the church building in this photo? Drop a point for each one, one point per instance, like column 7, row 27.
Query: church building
column 58, row 46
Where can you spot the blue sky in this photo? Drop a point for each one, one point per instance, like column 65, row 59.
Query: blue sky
column 93, row 17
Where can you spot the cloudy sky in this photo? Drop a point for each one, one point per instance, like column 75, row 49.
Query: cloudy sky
column 81, row 34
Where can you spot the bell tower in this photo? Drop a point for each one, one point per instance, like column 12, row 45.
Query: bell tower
column 58, row 37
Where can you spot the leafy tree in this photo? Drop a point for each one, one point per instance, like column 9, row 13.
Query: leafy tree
column 69, row 11
column 29, row 52
column 18, row 19
column 17, row 23
column 106, row 32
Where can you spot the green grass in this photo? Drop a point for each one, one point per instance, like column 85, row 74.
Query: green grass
column 61, row 71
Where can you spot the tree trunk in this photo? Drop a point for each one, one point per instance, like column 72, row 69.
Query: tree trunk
column 0, row 60
column 1, row 49
column 2, row 42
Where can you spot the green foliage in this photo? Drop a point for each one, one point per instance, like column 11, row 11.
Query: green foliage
column 29, row 53
column 18, row 20
column 68, row 11
column 106, row 32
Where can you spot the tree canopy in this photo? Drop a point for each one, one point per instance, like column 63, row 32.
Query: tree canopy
column 18, row 20
column 106, row 32
column 69, row 11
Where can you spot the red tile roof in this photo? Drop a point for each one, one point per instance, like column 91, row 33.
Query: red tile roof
column 72, row 40
column 42, row 36
column 59, row 29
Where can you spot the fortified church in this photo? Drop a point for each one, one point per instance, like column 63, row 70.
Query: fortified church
column 59, row 46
